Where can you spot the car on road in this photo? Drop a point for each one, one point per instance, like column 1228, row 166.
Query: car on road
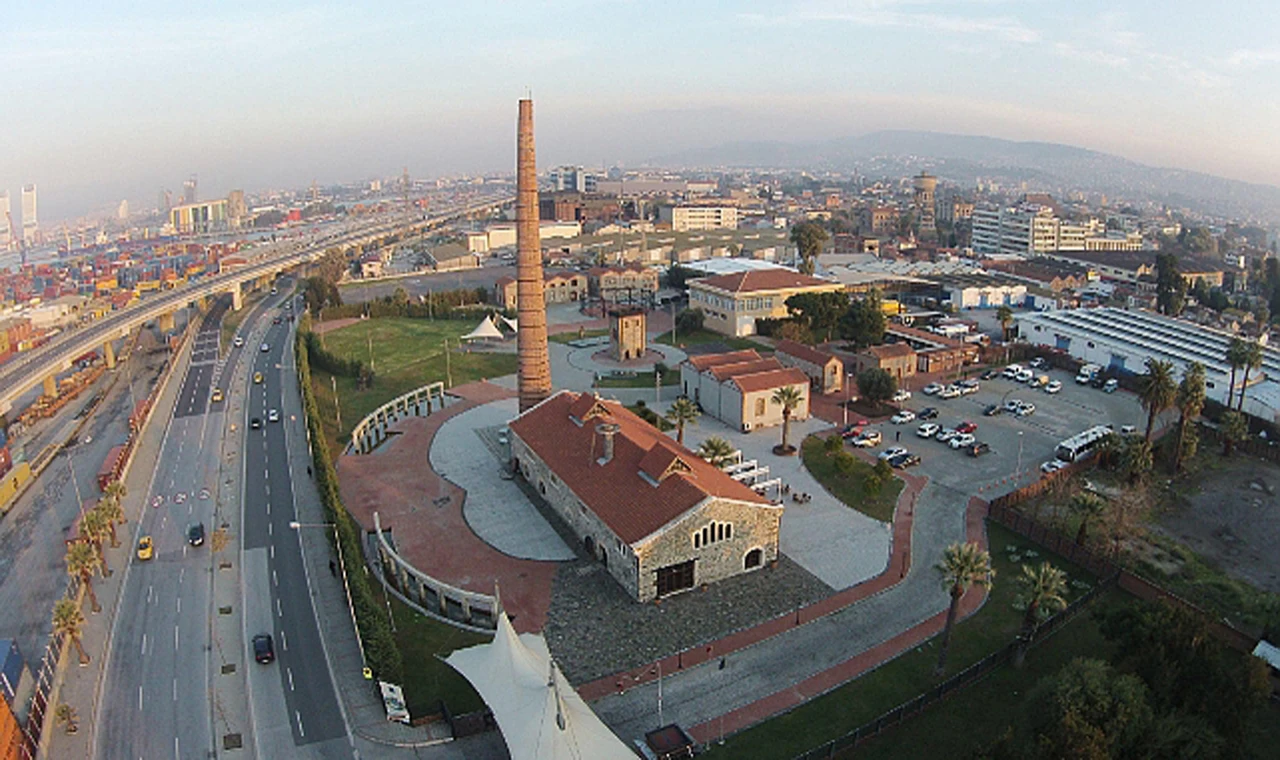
column 238, row 342
column 868, row 439
column 257, row 377
column 1011, row 372
column 255, row 423
column 901, row 395
column 1053, row 465
column 264, row 348
column 927, row 413
column 904, row 460
column 978, row 449
column 195, row 533
column 1053, row 387
column 853, row 429
column 931, row 389
column 890, row 453
column 1026, row 410
column 1111, row 386
column 275, row 321
column 993, row 410
column 1128, row 429
column 146, row 550
column 990, row 374
column 264, row 650
column 951, row 391
column 274, row 291
column 927, row 430
column 961, row 441
column 903, row 417
column 946, row 434
column 1025, row 376
column 216, row 396
column 967, row 427
column 1098, row 381
column 273, row 415
column 1012, row 405
column 1036, row 363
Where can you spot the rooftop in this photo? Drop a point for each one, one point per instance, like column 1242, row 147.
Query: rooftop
column 803, row 352
column 761, row 280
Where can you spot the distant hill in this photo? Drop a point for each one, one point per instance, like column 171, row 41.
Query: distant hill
column 964, row 158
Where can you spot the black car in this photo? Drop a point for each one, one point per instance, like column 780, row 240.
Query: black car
column 993, row 410
column 264, row 650
column 275, row 321
column 195, row 534
column 978, row 449
column 255, row 423
column 991, row 374
column 1098, row 380
column 927, row 413
column 903, row 461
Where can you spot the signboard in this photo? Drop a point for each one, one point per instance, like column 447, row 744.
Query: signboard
column 393, row 700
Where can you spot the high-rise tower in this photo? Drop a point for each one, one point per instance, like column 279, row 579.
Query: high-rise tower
column 925, row 185
column 531, row 306
column 30, row 222
column 6, row 234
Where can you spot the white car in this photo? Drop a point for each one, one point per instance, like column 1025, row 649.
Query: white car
column 1025, row 376
column 903, row 417
column 946, row 434
column 951, row 391
column 1012, row 405
column 1027, row 409
column 265, row 348
column 1011, row 371
column 961, row 441
column 868, row 439
column 1053, row 387
column 927, row 430
column 901, row 396
column 968, row 386
column 273, row 416
column 931, row 389
column 1128, row 429
column 1053, row 465
column 238, row 342
column 891, row 452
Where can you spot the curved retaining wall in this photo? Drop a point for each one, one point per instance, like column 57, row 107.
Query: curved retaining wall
column 372, row 430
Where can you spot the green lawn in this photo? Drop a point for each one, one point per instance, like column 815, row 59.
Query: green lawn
column 850, row 488
column 703, row 337
column 427, row 680
column 568, row 337
column 638, row 380
column 407, row 354
column 904, row 678
column 232, row 319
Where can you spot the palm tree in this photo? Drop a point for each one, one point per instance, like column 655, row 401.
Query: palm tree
column 1045, row 588
column 1108, row 449
column 1235, row 359
column 789, row 397
column 82, row 560
column 1005, row 315
column 116, row 490
column 962, row 566
column 68, row 621
column 1190, row 402
column 1234, row 429
column 1136, row 458
column 716, row 450
column 682, row 412
column 1251, row 359
column 95, row 531
column 1156, row 390
column 1088, row 506
column 112, row 513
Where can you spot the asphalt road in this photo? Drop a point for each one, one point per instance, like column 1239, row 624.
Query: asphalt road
column 293, row 699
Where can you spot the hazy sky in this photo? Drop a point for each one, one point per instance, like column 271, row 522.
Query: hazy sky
column 111, row 100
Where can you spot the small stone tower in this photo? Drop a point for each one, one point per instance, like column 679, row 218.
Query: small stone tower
column 626, row 333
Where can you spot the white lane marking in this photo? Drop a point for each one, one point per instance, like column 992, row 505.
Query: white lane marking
column 190, row 507
column 177, row 755
column 269, row 530
column 274, row 580
column 289, row 672
column 273, row 546
column 266, row 474
column 144, row 647
column 184, row 550
column 175, row 639
column 269, row 512
column 181, row 572
column 179, row 605
column 298, row 715
column 149, row 590
column 284, row 640
column 267, row 488
column 175, row 690
column 279, row 612
column 139, row 699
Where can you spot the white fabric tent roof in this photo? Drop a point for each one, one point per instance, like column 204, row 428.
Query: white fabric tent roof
column 484, row 331
column 538, row 720
column 511, row 323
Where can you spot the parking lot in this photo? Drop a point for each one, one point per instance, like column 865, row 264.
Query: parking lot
column 1057, row 416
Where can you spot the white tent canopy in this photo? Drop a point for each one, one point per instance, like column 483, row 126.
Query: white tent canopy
column 541, row 716
column 511, row 323
column 484, row 331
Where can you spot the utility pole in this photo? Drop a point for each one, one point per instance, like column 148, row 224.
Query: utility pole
column 336, row 404
column 657, row 386
column 448, row 371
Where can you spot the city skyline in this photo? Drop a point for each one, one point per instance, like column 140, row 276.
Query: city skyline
column 295, row 93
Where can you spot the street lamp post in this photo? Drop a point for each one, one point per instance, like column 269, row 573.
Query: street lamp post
column 346, row 587
column 1018, row 474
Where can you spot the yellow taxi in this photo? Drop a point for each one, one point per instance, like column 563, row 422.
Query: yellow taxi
column 145, row 549
column 217, row 395
column 257, row 377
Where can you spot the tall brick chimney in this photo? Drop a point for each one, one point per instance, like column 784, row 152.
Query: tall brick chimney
column 531, row 308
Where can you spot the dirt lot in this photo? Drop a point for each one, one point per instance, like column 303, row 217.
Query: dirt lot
column 1232, row 518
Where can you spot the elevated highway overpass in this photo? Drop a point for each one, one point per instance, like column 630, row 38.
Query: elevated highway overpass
column 24, row 370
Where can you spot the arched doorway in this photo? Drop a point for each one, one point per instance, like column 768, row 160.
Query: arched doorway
column 752, row 559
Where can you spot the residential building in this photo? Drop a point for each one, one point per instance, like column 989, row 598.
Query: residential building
column 732, row 303
column 880, row 220
column 694, row 218
column 634, row 284
column 659, row 518
column 737, row 388
column 898, row 359
column 824, row 370
column 557, row 287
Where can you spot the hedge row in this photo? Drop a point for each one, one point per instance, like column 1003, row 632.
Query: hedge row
column 380, row 649
column 329, row 362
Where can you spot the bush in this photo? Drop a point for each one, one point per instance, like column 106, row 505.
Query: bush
column 690, row 320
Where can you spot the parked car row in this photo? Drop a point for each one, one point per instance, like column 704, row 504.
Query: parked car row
column 899, row 458
column 955, row 390
column 961, row 437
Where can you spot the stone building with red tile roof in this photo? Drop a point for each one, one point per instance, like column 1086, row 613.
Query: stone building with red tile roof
column 825, row 370
column 657, row 516
column 737, row 388
column 898, row 359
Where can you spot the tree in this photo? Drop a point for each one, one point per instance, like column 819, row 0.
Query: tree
column 845, row 463
column 112, row 513
column 1005, row 315
column 962, row 566
column 716, row 450
column 81, row 561
column 95, row 531
column 1235, row 360
column 1250, row 359
column 1087, row 710
column 1235, row 428
column 1088, row 506
column 880, row 474
column 1171, row 286
column 400, row 298
column 876, row 385
column 65, row 715
column 1044, row 589
column 1190, row 402
column 808, row 238
column 832, row 444
column 1156, row 390
column 1136, row 458
column 679, row 276
column 863, row 322
column 682, row 412
column 68, row 621
column 788, row 397
column 116, row 490
column 819, row 312
column 689, row 321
